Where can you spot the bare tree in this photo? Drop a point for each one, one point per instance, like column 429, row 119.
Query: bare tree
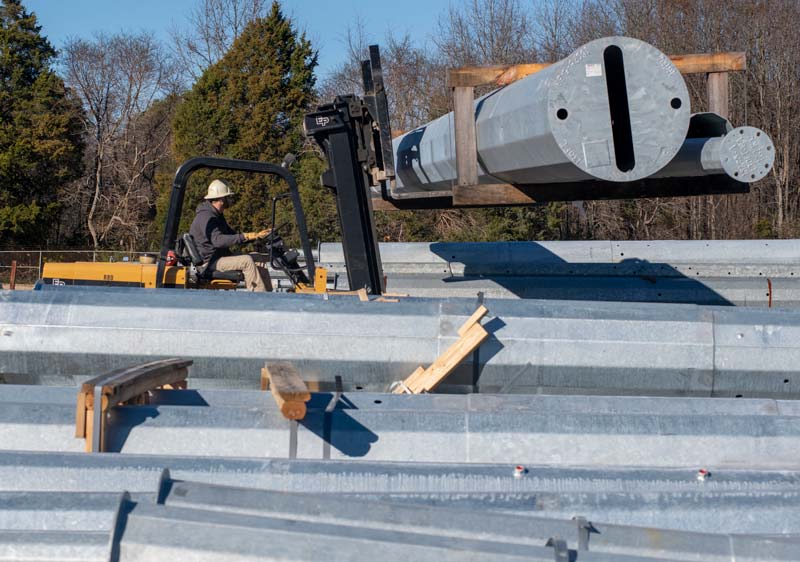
column 485, row 32
column 411, row 77
column 213, row 25
column 120, row 81
column 552, row 22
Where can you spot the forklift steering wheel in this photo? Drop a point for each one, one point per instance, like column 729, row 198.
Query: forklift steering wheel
column 276, row 231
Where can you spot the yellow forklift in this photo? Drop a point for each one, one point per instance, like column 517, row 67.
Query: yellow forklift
column 355, row 135
column 180, row 265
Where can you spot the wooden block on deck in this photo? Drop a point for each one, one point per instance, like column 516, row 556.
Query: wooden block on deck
column 471, row 335
column 476, row 317
column 291, row 409
column 285, row 381
column 450, row 359
column 288, row 389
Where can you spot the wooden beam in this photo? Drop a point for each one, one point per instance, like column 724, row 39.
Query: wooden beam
column 471, row 335
column 288, row 389
column 496, row 74
column 718, row 97
column 445, row 364
column 502, row 75
column 702, row 63
column 127, row 385
column 132, row 387
column 465, row 135
column 490, row 194
column 477, row 316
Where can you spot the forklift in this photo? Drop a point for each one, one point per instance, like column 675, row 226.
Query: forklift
column 182, row 266
column 355, row 136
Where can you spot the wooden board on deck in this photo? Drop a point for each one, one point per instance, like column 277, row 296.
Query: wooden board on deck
column 471, row 336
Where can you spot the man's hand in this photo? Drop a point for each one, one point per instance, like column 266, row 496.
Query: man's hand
column 250, row 236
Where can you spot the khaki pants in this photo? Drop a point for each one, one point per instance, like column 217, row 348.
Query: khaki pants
column 256, row 278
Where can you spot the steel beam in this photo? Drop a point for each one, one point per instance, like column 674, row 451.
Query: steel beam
column 653, row 258
column 721, row 291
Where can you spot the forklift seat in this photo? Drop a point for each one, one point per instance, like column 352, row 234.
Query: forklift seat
column 203, row 272
column 234, row 276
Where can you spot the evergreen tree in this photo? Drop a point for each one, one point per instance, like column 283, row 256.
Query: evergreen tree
column 249, row 105
column 40, row 135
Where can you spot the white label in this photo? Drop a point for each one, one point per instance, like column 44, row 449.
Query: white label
column 595, row 69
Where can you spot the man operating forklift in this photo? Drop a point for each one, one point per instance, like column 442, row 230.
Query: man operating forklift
column 213, row 238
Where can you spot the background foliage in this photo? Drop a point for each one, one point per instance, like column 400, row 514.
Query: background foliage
column 40, row 132
column 87, row 154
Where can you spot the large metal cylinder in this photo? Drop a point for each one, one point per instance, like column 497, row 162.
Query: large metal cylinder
column 617, row 109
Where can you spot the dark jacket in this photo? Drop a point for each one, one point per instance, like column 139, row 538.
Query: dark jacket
column 211, row 233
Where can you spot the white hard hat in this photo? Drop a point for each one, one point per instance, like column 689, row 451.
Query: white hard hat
column 218, row 189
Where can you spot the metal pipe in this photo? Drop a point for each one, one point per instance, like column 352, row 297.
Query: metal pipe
column 745, row 154
column 617, row 109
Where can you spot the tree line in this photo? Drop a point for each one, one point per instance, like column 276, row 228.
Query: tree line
column 90, row 137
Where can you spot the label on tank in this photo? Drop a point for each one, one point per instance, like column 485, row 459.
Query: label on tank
column 594, row 69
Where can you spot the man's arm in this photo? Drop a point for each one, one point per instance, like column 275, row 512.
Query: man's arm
column 219, row 239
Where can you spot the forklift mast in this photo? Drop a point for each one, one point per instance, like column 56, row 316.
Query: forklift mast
column 355, row 135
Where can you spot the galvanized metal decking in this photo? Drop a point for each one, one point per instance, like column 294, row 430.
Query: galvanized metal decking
column 483, row 511
column 545, row 430
column 602, row 430
column 741, row 272
column 553, row 346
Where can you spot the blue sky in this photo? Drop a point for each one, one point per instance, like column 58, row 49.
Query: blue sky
column 325, row 21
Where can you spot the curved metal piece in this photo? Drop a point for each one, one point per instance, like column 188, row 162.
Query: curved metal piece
column 205, row 162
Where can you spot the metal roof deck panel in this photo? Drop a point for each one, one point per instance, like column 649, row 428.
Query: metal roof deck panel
column 61, row 511
column 781, row 292
column 574, row 431
column 249, row 401
column 470, row 523
column 588, row 346
column 50, row 471
column 155, row 531
column 584, row 251
column 726, row 502
column 83, row 546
